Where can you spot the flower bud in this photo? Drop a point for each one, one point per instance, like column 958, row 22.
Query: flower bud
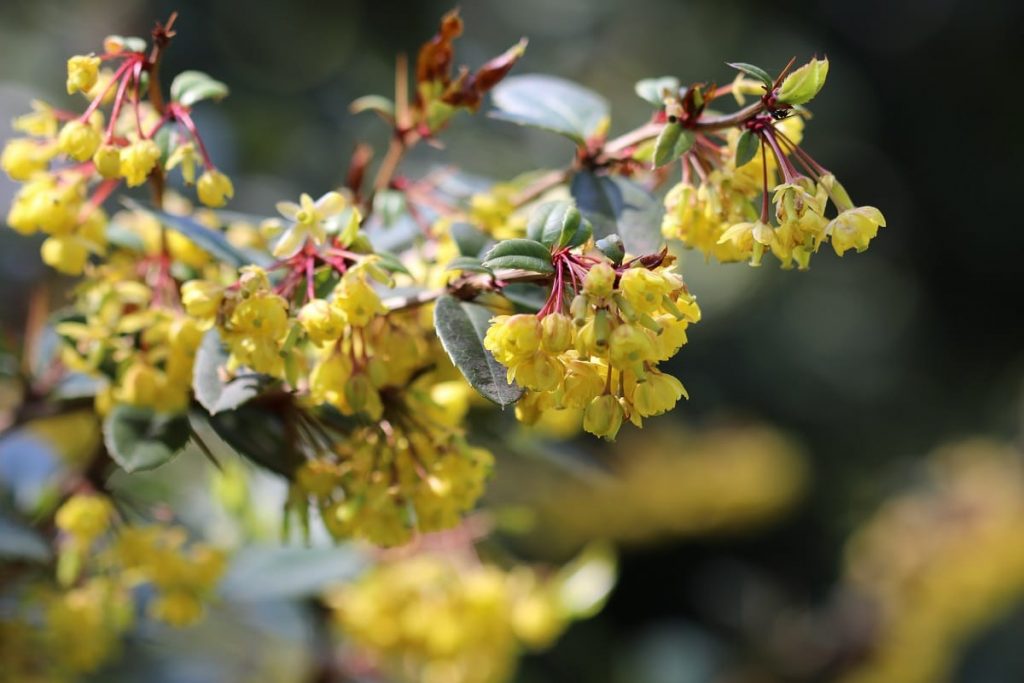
column 79, row 140
column 107, row 161
column 138, row 160
column 599, row 281
column 322, row 321
column 66, row 254
column 83, row 71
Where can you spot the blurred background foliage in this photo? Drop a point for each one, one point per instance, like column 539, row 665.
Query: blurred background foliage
column 862, row 365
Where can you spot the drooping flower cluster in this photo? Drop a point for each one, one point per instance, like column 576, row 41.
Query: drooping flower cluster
column 432, row 619
column 70, row 163
column 601, row 357
column 731, row 179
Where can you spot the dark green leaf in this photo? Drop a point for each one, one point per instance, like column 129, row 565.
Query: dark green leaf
column 212, row 392
column 389, row 207
column 639, row 224
column 19, row 541
column 470, row 240
column 190, row 87
column 753, row 71
column 523, row 254
column 672, row 142
column 654, row 89
column 141, row 439
column 468, row 264
column 272, row 572
column 612, row 247
column 746, row 147
column 211, row 241
column 551, row 103
column 599, row 200
column 461, row 327
column 527, row 296
column 558, row 223
column 258, row 433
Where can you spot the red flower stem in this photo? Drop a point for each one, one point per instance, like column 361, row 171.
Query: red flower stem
column 116, row 110
column 182, row 115
column 764, row 195
column 137, row 78
column 94, row 105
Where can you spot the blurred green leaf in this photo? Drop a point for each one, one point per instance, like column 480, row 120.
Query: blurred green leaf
column 552, row 104
column 599, row 199
column 558, row 223
column 468, row 264
column 190, row 87
column 527, row 296
column 18, row 541
column 375, row 103
column 269, row 573
column 470, row 240
column 461, row 327
column 259, row 434
column 141, row 439
column 654, row 89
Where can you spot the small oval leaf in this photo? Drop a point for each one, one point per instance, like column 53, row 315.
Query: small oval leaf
column 673, row 141
column 746, row 147
column 654, row 90
column 212, row 392
column 752, row 71
column 552, row 104
column 190, row 87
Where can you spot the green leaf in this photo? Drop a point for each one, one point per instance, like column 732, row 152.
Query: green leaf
column 272, row 572
column 801, row 86
column 211, row 241
column 639, row 223
column 753, row 71
column 212, row 392
column 258, row 433
column 746, row 147
column 389, row 207
column 470, row 240
column 190, row 87
column 673, row 141
column 599, row 200
column 468, row 264
column 21, row 542
column 461, row 327
column 612, row 247
column 391, row 263
column 552, row 104
column 141, row 439
column 654, row 89
column 558, row 223
column 522, row 254
column 375, row 103
column 528, row 297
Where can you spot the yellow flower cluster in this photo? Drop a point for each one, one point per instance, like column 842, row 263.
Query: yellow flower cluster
column 724, row 213
column 430, row 619
column 410, row 469
column 69, row 164
column 940, row 564
column 602, row 358
column 125, row 333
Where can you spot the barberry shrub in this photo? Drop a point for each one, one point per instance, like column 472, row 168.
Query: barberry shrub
column 330, row 347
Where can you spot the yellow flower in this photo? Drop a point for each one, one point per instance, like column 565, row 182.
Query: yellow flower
column 202, row 298
column 41, row 123
column 657, row 394
column 599, row 281
column 83, row 70
column 79, row 140
column 357, row 299
column 85, row 517
column 138, row 160
column 644, row 289
column 854, row 228
column 513, row 338
column 323, row 322
column 66, row 254
column 214, row 188
column 186, row 156
column 23, row 157
column 309, row 221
